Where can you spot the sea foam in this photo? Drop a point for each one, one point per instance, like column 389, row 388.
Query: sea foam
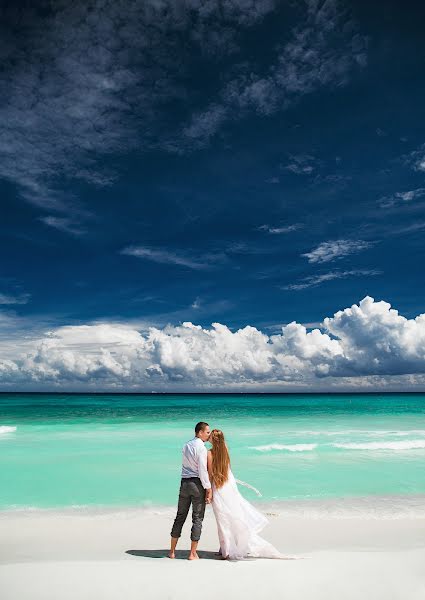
column 395, row 445
column 376, row 445
column 290, row 447
column 7, row 429
column 364, row 432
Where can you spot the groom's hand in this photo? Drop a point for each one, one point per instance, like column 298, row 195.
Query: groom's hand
column 208, row 496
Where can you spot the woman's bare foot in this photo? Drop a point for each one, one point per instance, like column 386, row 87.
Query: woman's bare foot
column 193, row 556
column 171, row 555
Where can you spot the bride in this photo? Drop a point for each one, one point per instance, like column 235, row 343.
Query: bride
column 238, row 521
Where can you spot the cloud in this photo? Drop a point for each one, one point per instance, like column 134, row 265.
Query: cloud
column 409, row 228
column 172, row 258
column 315, row 280
column 63, row 224
column 328, row 251
column 367, row 340
column 302, row 164
column 411, row 195
column 12, row 299
column 400, row 198
column 242, row 247
column 205, row 124
column 380, row 340
column 84, row 80
column 323, row 49
column 416, row 159
column 283, row 229
column 196, row 303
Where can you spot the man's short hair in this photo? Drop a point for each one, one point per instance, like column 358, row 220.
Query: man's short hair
column 200, row 426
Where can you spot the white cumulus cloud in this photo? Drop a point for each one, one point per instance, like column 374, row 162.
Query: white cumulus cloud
column 369, row 345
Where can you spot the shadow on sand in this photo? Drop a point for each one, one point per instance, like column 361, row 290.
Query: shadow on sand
column 180, row 554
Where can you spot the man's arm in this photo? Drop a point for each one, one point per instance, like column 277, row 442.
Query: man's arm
column 203, row 470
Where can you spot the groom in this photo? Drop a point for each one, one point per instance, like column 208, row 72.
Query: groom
column 195, row 489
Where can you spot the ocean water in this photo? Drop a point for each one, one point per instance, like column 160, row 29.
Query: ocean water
column 66, row 450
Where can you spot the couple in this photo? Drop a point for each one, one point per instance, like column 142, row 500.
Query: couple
column 207, row 478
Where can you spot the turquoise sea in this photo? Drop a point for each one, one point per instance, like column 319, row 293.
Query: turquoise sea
column 63, row 450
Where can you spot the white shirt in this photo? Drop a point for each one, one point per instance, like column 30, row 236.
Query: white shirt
column 194, row 462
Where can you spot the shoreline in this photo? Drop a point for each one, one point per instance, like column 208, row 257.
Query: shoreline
column 385, row 507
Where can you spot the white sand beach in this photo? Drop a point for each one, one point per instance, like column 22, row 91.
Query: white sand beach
column 90, row 555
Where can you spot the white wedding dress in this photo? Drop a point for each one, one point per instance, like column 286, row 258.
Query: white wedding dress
column 238, row 524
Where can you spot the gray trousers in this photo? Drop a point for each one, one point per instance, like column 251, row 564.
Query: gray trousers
column 191, row 493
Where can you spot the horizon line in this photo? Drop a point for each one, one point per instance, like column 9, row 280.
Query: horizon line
column 210, row 393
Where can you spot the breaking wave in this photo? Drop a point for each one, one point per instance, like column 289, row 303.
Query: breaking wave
column 289, row 447
column 375, row 445
column 398, row 445
column 7, row 429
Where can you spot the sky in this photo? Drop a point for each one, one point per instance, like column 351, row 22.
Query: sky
column 204, row 195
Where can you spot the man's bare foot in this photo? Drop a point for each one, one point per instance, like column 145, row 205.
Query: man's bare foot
column 193, row 556
column 171, row 555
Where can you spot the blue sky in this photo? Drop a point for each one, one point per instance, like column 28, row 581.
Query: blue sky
column 244, row 163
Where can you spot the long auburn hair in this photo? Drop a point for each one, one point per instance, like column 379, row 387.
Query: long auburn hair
column 220, row 458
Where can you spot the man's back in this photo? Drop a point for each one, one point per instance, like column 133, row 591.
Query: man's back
column 194, row 461
column 190, row 457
